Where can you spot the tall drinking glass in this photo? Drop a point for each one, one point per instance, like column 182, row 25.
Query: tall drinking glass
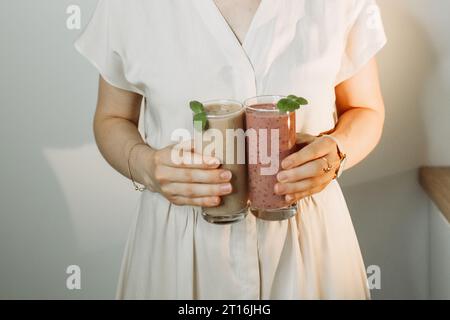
column 271, row 137
column 225, row 135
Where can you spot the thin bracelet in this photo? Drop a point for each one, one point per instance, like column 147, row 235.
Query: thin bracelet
column 135, row 185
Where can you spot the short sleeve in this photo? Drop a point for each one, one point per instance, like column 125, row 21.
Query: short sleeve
column 365, row 38
column 97, row 44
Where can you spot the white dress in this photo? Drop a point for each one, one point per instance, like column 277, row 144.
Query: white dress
column 174, row 51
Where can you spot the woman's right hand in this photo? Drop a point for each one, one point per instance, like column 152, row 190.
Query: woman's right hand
column 196, row 180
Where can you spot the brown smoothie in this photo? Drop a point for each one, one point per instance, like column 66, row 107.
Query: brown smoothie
column 261, row 187
column 222, row 117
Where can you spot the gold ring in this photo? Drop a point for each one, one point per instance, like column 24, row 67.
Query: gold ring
column 329, row 167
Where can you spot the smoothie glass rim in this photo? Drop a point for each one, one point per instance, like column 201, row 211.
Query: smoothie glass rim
column 274, row 97
column 224, row 102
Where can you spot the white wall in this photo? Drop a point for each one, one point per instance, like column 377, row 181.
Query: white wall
column 54, row 214
column 389, row 209
column 60, row 203
column 439, row 255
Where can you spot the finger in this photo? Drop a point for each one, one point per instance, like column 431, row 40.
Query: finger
column 303, row 185
column 179, row 158
column 318, row 149
column 291, row 198
column 308, row 170
column 170, row 174
column 206, row 202
column 191, row 146
column 186, row 145
column 194, row 190
column 305, row 139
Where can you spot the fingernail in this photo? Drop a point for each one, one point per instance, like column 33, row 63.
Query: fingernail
column 225, row 188
column 212, row 162
column 215, row 201
column 226, row 175
column 282, row 177
column 279, row 189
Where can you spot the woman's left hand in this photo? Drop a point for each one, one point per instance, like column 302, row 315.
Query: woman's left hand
column 309, row 170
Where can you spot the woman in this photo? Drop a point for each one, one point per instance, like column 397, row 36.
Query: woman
column 171, row 52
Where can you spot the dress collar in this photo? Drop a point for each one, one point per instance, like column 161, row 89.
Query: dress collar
column 260, row 48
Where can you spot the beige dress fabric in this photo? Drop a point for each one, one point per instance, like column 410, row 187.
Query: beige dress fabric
column 174, row 51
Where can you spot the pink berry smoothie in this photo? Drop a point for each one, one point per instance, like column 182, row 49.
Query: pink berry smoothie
column 261, row 186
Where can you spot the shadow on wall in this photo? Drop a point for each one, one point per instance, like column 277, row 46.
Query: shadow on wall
column 390, row 216
column 388, row 207
column 48, row 154
column 47, row 148
column 405, row 65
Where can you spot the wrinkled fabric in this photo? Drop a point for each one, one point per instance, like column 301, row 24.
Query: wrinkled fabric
column 175, row 51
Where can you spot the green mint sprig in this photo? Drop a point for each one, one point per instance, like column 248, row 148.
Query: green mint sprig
column 291, row 103
column 200, row 118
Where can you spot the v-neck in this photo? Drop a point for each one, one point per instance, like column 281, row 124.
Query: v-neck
column 252, row 59
column 237, row 54
column 253, row 21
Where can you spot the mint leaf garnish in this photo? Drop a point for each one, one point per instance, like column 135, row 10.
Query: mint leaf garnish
column 291, row 103
column 200, row 120
column 200, row 117
column 301, row 101
column 196, row 107
column 287, row 105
